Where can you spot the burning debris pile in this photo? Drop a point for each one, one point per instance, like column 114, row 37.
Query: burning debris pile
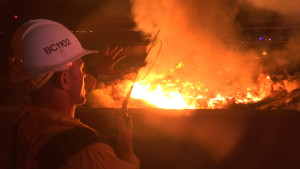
column 203, row 64
column 285, row 96
column 281, row 100
column 165, row 92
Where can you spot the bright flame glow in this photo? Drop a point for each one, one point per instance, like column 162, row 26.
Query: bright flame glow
column 179, row 65
column 264, row 53
column 159, row 97
column 162, row 92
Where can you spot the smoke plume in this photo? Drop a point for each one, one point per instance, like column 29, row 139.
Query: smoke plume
column 201, row 35
column 205, row 38
column 288, row 8
column 284, row 62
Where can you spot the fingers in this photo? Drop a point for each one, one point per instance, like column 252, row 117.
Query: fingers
column 120, row 57
column 116, row 52
column 112, row 56
column 107, row 51
column 124, row 137
column 113, row 52
column 125, row 120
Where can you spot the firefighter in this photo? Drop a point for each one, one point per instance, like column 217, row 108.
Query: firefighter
column 46, row 61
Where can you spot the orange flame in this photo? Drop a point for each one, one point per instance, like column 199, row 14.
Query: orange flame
column 165, row 92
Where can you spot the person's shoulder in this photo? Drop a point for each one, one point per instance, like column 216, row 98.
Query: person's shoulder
column 61, row 147
column 102, row 146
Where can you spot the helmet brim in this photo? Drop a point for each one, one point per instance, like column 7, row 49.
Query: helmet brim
column 63, row 66
column 35, row 72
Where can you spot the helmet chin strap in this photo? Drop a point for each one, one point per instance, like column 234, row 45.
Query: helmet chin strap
column 36, row 83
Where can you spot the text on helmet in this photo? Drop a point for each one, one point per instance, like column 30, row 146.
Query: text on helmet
column 55, row 46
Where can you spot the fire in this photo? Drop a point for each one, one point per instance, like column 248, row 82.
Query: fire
column 171, row 92
column 159, row 96
column 163, row 91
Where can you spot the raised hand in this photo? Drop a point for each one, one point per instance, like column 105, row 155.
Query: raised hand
column 112, row 56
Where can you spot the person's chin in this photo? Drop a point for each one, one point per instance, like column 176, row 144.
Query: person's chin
column 83, row 101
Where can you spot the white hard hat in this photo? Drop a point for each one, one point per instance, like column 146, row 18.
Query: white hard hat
column 42, row 46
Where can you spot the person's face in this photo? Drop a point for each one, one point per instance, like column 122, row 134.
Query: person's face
column 76, row 86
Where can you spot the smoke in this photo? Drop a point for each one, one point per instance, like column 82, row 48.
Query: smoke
column 205, row 38
column 284, row 61
column 108, row 95
column 289, row 8
column 202, row 35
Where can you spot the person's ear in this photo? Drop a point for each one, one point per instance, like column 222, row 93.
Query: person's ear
column 64, row 80
column 61, row 80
